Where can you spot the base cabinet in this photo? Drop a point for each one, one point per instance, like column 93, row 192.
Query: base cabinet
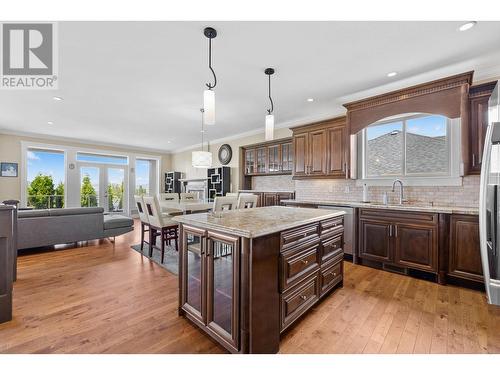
column 416, row 246
column 465, row 255
column 210, row 283
column 402, row 239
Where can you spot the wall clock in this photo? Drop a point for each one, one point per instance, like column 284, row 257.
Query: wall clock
column 225, row 154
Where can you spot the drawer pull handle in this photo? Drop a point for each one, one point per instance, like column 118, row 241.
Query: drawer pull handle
column 333, row 274
column 303, row 297
column 305, row 261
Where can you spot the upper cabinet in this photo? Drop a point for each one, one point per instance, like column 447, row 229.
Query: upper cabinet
column 478, row 123
column 268, row 158
column 320, row 149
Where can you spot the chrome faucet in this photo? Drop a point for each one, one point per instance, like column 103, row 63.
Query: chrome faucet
column 401, row 190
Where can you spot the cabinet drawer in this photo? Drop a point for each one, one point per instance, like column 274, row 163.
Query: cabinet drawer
column 332, row 247
column 300, row 235
column 330, row 276
column 332, row 225
column 298, row 264
column 298, row 300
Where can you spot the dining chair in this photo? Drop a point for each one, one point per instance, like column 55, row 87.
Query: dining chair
column 143, row 216
column 225, row 204
column 247, row 201
column 232, row 194
column 161, row 225
column 174, row 197
column 189, row 196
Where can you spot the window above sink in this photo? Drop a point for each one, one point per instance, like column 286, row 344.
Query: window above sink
column 421, row 149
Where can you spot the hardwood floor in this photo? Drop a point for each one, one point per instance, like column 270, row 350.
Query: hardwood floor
column 108, row 299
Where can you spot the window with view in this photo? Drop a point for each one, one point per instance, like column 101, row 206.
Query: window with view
column 45, row 178
column 143, row 169
column 410, row 146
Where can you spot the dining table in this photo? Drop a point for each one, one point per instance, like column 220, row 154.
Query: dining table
column 185, row 207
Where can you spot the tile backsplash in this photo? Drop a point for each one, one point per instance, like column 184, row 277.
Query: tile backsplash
column 466, row 195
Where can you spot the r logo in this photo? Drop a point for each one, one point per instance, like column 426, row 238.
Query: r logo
column 27, row 49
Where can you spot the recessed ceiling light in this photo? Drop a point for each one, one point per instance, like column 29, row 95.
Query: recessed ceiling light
column 392, row 74
column 57, row 98
column 467, row 26
column 50, row 123
column 169, row 141
column 310, row 100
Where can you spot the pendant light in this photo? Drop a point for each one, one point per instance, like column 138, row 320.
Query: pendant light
column 209, row 94
column 201, row 159
column 270, row 117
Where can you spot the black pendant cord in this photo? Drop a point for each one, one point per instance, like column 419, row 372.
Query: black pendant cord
column 209, row 85
column 269, row 111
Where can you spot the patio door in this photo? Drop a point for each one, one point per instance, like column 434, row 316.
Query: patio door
column 103, row 185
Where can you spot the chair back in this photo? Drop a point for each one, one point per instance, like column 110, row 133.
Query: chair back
column 174, row 197
column 247, row 201
column 141, row 207
column 189, row 196
column 225, row 204
column 153, row 211
column 232, row 194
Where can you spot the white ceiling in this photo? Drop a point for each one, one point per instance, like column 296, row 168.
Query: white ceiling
column 140, row 84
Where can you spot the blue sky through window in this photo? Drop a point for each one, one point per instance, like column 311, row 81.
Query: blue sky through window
column 46, row 162
column 142, row 168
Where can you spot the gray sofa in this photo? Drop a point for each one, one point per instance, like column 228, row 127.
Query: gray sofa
column 36, row 228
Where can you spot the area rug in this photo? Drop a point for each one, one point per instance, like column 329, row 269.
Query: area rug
column 171, row 261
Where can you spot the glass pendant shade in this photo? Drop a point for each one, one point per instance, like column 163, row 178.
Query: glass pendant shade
column 269, row 127
column 209, row 107
column 201, row 159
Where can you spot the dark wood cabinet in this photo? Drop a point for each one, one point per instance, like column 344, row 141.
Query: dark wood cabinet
column 270, row 198
column 320, row 149
column 317, row 152
column 300, row 154
column 336, row 138
column 375, row 240
column 416, row 246
column 478, row 123
column 465, row 255
column 8, row 218
column 267, row 158
column 399, row 238
column 209, row 277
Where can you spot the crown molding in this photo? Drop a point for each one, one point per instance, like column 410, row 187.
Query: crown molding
column 80, row 142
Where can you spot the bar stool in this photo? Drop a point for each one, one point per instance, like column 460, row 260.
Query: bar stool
column 247, row 201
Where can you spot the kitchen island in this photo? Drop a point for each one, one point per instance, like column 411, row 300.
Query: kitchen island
column 246, row 275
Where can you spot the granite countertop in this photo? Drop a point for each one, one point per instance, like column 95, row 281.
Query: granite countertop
column 404, row 207
column 267, row 191
column 257, row 222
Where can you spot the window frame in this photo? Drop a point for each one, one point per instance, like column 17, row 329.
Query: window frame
column 404, row 120
column 453, row 176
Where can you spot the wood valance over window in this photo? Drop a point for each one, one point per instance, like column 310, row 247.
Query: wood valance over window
column 447, row 97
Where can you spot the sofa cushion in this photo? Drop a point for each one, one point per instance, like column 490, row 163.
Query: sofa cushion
column 117, row 221
column 75, row 211
column 32, row 213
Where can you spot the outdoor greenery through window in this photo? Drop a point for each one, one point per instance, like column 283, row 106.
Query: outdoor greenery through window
column 45, row 179
column 411, row 146
column 142, row 176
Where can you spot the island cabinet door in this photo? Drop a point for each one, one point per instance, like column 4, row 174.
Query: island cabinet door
column 192, row 273
column 223, row 287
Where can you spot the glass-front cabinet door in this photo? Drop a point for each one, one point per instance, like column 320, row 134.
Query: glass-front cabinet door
column 249, row 161
column 260, row 155
column 223, row 287
column 193, row 272
column 274, row 158
column 286, row 157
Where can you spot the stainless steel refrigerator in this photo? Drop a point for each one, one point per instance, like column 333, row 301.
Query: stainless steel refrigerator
column 489, row 202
